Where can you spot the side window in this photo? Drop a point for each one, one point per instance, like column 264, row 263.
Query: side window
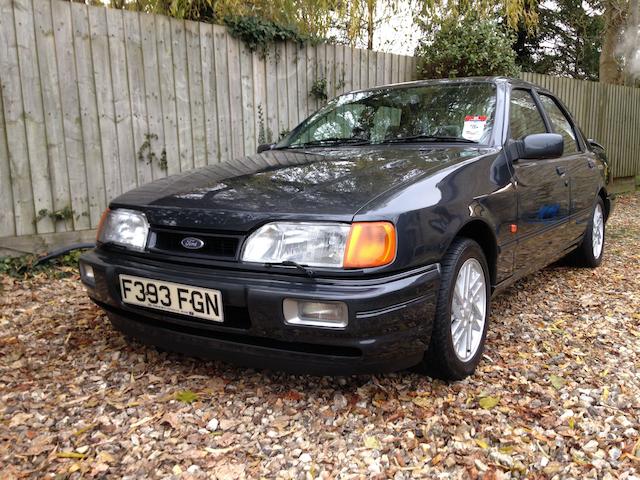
column 560, row 124
column 524, row 116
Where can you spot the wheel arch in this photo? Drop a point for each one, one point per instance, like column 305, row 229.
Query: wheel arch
column 482, row 233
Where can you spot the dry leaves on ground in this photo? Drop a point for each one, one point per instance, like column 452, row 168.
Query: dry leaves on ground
column 557, row 395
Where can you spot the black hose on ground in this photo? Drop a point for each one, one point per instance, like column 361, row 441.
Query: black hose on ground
column 62, row 251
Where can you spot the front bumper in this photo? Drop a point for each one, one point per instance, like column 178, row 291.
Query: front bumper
column 389, row 328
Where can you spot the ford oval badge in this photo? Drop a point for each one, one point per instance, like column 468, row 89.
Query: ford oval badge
column 192, row 243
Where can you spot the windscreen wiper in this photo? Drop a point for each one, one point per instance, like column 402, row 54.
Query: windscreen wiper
column 330, row 142
column 427, row 138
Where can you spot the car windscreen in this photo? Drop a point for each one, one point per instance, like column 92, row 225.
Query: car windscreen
column 442, row 112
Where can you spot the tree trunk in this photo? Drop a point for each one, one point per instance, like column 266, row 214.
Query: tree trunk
column 614, row 16
column 371, row 12
column 632, row 39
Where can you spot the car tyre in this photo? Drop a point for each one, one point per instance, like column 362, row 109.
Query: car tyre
column 463, row 308
column 591, row 250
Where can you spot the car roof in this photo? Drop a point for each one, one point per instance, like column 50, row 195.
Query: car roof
column 515, row 82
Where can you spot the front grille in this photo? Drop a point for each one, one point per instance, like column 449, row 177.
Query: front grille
column 214, row 246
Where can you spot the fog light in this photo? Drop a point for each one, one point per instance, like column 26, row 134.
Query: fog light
column 86, row 273
column 312, row 313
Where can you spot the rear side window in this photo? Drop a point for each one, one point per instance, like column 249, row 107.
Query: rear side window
column 524, row 116
column 560, row 124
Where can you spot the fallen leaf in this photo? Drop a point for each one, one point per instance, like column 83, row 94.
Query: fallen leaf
column 481, row 443
column 186, row 396
column 489, row 402
column 423, row 402
column 556, row 381
column 372, row 442
column 71, row 455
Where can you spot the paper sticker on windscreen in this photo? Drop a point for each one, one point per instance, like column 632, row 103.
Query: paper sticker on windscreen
column 474, row 127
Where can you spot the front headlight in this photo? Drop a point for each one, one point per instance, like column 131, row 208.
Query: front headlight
column 127, row 228
column 333, row 245
column 312, row 244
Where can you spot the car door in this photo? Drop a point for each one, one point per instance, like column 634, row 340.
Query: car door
column 583, row 174
column 542, row 190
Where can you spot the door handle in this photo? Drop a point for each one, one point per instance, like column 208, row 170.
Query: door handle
column 561, row 171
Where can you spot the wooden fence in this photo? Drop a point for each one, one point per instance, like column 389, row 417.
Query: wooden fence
column 94, row 100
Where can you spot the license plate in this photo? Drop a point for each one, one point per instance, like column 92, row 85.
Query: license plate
column 172, row 297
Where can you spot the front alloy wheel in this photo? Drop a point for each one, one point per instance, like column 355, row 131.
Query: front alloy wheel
column 468, row 309
column 462, row 313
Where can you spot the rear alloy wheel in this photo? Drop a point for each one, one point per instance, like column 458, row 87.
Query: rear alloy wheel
column 591, row 250
column 462, row 313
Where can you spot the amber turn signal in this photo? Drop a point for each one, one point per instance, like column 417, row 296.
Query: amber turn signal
column 370, row 244
column 103, row 217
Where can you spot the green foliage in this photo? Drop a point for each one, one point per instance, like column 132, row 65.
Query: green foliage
column 470, row 47
column 63, row 214
column 146, row 153
column 319, row 89
column 567, row 42
column 284, row 133
column 258, row 33
column 23, row 267
column 514, row 13
column 265, row 135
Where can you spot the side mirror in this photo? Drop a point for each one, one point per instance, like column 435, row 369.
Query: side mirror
column 265, row 146
column 538, row 146
column 595, row 144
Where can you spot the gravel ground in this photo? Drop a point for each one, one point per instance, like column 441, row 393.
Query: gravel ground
column 557, row 395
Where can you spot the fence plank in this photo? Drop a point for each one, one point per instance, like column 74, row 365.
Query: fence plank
column 183, row 105
column 373, row 67
column 348, row 68
column 137, row 95
column 311, row 76
column 222, row 92
column 235, row 96
column 339, row 69
column 7, row 215
column 168, row 94
column 364, row 68
column 209, row 93
column 51, row 104
column 196, row 94
column 260, row 98
column 121, row 102
column 105, row 102
column 16, row 137
column 89, row 120
column 380, row 66
column 293, row 113
column 70, row 110
column 33, row 114
column 281, row 87
column 355, row 65
column 247, row 102
column 271, row 101
column 152, row 97
column 302, row 84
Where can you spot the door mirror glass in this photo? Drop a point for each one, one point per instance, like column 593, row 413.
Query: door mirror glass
column 541, row 145
column 265, row 146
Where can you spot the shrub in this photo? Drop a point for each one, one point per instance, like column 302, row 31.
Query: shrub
column 466, row 48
